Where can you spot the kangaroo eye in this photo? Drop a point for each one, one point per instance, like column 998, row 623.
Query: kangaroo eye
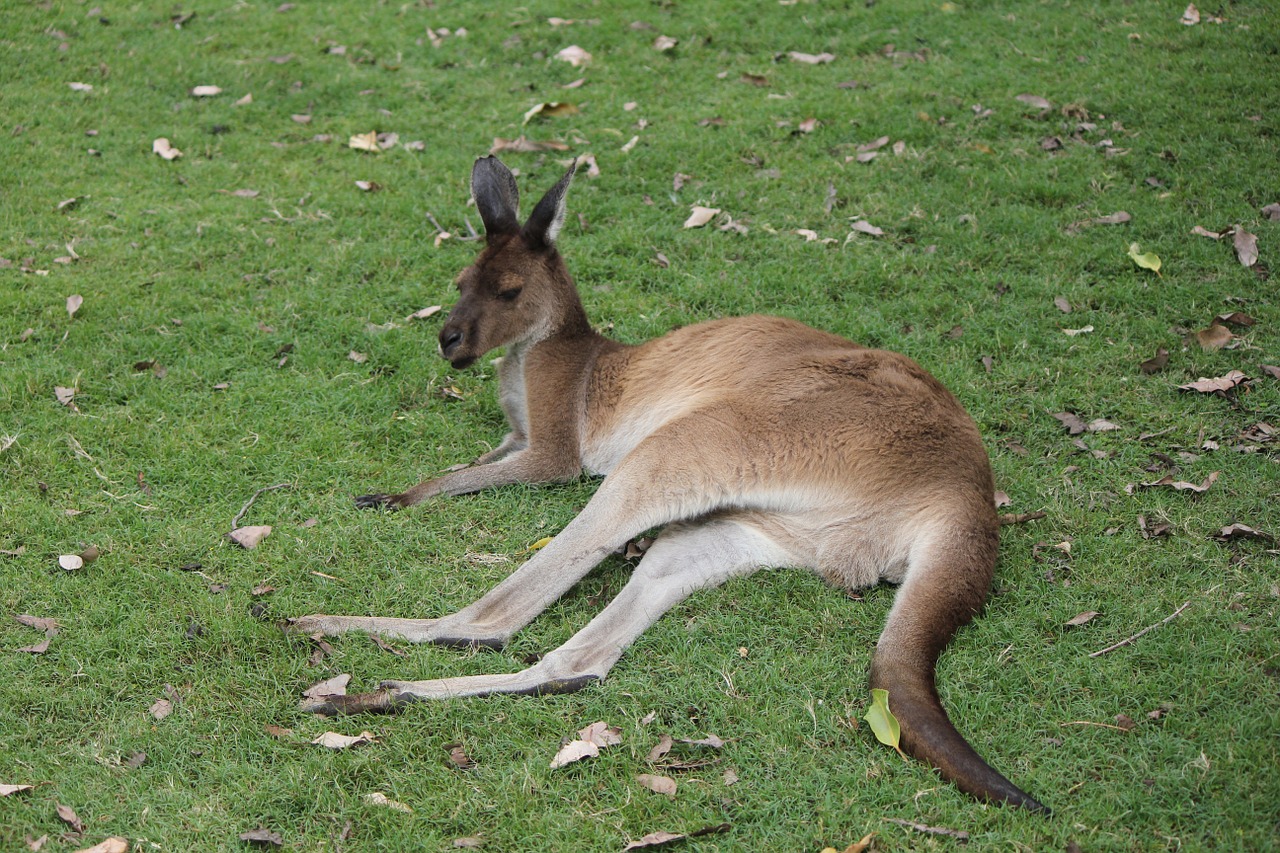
column 509, row 295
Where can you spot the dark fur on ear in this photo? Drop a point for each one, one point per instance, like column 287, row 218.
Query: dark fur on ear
column 544, row 223
column 497, row 196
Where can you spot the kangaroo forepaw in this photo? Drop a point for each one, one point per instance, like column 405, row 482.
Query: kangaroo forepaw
column 374, row 501
column 379, row 702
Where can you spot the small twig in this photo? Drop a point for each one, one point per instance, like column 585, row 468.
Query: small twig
column 235, row 522
column 439, row 228
column 958, row 834
column 1129, row 640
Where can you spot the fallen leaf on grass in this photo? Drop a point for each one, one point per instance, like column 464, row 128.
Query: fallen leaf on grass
column 1156, row 363
column 6, row 790
column 665, row 742
column 336, row 686
column 664, row 785
column 458, row 756
column 810, row 58
column 1200, row 231
column 333, row 740
column 249, row 537
column 601, row 734
column 1214, row 338
column 262, row 836
column 68, row 816
column 1071, row 422
column 368, row 186
column 861, row 226
column 74, row 301
column 80, row 87
column 1271, row 370
column 160, row 709
column 1246, row 246
column 883, row 724
column 659, row 839
column 524, row 145
column 469, row 842
column 1272, row 212
column 1081, row 618
column 376, row 798
column 1061, row 303
column 1147, row 260
column 1190, row 16
column 574, row 55
column 700, row 216
column 1233, row 532
column 1084, row 330
column 114, row 844
column 365, row 142
column 958, row 834
column 162, row 147
column 1118, row 218
column 1035, row 101
column 205, row 91
column 550, row 109
column 574, row 751
column 1183, row 485
column 663, row 43
column 1220, row 384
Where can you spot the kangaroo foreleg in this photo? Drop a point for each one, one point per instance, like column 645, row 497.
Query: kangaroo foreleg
column 520, row 466
column 685, row 558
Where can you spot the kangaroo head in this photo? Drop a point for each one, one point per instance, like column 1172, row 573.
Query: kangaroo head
column 518, row 289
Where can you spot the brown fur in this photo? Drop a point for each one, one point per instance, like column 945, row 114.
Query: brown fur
column 759, row 441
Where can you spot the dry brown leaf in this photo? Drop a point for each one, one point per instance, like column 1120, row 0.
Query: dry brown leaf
column 365, row 142
column 655, row 839
column 710, row 741
column 68, row 816
column 1118, row 218
column 114, row 844
column 1183, row 485
column 244, row 101
column 250, row 536
column 574, row 751
column 333, row 740
column 1101, row 425
column 700, row 216
column 1242, row 531
column 376, row 798
column 574, row 55
column 665, row 742
column 1235, row 318
column 1073, row 424
column 664, row 785
column 524, row 145
column 423, row 313
column 470, row 842
column 1214, row 337
column 160, row 709
column 1035, row 101
column 1246, row 246
column 810, row 58
column 1271, row 370
column 262, row 836
column 809, row 125
column 74, row 301
column 458, row 756
column 1217, row 384
column 6, row 790
column 1061, row 303
column 1212, row 235
column 1156, row 363
column 357, row 357
column 664, row 43
column 162, row 147
column 1081, row 618
column 550, row 109
column 336, row 686
column 861, row 226
column 601, row 734
column 1272, row 212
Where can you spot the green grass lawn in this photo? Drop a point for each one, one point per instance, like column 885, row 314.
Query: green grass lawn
column 211, row 357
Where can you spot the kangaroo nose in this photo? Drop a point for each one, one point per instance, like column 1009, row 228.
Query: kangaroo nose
column 449, row 340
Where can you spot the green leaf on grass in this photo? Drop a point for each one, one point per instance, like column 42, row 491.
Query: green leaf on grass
column 1148, row 260
column 883, row 724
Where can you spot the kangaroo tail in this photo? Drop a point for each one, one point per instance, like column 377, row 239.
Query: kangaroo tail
column 944, row 588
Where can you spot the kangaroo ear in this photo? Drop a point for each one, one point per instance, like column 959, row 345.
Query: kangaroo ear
column 497, row 196
column 544, row 223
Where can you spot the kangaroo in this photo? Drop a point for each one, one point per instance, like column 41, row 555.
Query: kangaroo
column 756, row 441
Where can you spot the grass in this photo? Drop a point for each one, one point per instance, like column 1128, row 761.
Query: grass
column 212, row 287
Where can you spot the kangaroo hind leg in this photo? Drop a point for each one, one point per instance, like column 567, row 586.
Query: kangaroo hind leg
column 685, row 558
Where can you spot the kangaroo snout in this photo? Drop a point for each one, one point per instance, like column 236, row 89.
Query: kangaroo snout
column 451, row 340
